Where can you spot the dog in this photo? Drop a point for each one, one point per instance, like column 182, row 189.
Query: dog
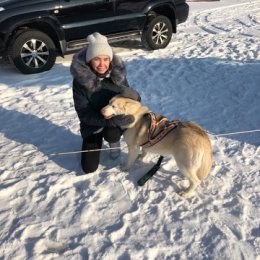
column 187, row 142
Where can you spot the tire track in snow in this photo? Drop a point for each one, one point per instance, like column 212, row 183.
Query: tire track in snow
column 212, row 21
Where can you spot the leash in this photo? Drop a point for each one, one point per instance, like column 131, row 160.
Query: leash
column 151, row 172
column 86, row 151
column 236, row 133
column 107, row 149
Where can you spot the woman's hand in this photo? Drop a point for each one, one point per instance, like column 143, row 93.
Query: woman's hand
column 128, row 92
column 120, row 120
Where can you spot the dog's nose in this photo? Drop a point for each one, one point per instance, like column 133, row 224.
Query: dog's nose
column 103, row 110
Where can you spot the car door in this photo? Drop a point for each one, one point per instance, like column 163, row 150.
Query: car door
column 80, row 18
column 129, row 14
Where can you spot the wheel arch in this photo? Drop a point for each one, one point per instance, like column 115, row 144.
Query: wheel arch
column 165, row 10
column 46, row 25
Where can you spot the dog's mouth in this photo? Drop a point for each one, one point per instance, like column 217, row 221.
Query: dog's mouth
column 108, row 117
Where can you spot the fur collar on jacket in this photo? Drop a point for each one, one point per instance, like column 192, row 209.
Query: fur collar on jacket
column 83, row 74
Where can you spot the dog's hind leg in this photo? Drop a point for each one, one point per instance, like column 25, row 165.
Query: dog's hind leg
column 194, row 182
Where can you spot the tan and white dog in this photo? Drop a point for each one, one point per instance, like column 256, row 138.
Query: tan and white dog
column 188, row 142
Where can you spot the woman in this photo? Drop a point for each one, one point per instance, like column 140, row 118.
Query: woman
column 98, row 75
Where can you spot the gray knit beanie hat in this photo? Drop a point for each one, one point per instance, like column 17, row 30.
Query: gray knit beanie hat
column 98, row 45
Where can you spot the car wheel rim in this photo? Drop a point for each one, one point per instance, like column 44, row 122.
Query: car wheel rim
column 34, row 53
column 160, row 33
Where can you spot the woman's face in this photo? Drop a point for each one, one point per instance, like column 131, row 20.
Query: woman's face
column 100, row 64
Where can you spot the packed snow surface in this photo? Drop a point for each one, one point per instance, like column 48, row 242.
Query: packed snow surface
column 209, row 73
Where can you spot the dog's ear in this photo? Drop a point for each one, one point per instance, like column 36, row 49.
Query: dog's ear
column 130, row 107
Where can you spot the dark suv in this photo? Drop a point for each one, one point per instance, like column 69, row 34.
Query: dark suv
column 34, row 32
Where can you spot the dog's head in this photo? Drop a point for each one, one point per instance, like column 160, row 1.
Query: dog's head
column 120, row 106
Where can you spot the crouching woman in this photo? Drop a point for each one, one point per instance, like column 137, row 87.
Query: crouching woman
column 98, row 75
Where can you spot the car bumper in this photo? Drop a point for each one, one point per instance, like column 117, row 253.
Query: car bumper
column 182, row 12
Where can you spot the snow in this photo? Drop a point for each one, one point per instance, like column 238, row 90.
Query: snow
column 209, row 74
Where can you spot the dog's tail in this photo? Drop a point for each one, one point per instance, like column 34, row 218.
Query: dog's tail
column 205, row 149
column 206, row 160
column 205, row 165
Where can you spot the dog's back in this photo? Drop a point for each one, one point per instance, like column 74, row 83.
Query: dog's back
column 195, row 127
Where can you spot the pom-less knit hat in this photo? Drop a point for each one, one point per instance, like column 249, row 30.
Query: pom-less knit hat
column 98, row 45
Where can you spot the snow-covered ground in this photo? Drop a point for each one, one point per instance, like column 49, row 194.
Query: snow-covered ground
column 210, row 73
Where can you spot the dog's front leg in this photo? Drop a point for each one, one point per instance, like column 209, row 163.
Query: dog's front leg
column 143, row 156
column 133, row 152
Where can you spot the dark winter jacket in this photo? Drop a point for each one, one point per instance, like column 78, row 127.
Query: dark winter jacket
column 91, row 93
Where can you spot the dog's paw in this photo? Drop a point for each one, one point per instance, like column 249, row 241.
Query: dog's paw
column 144, row 158
column 186, row 194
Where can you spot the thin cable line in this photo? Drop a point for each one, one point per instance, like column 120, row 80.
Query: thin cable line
column 114, row 148
column 86, row 151
column 236, row 133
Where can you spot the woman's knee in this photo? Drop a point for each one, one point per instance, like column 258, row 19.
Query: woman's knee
column 89, row 159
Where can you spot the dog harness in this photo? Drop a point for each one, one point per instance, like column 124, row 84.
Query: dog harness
column 159, row 128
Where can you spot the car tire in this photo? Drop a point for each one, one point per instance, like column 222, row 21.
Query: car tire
column 157, row 34
column 32, row 51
